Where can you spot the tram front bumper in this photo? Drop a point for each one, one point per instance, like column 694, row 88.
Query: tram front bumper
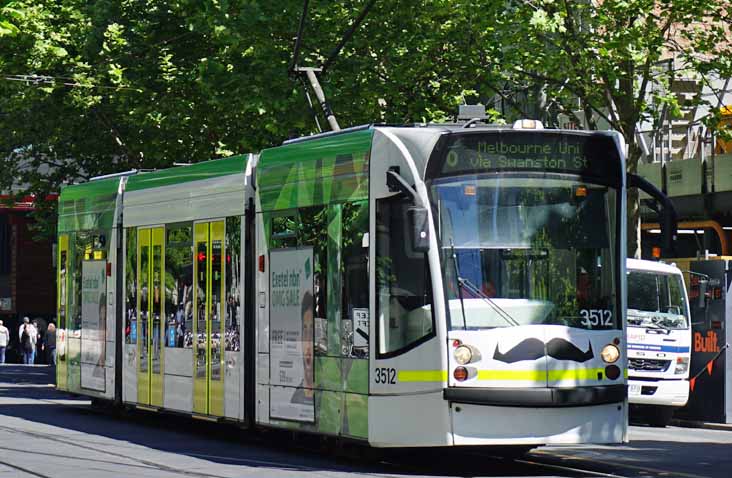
column 538, row 397
column 538, row 416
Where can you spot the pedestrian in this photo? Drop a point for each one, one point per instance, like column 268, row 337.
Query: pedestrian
column 51, row 344
column 4, row 341
column 27, row 335
column 39, row 343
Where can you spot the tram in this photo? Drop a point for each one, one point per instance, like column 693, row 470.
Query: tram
column 417, row 286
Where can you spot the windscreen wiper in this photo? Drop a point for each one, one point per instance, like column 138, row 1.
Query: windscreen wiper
column 639, row 322
column 459, row 281
column 475, row 290
column 465, row 283
column 656, row 325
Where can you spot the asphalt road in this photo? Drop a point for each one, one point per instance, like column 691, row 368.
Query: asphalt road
column 45, row 433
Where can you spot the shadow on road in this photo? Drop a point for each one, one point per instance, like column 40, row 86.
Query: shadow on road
column 25, row 394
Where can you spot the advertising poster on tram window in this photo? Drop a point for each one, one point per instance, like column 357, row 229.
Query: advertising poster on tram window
column 93, row 324
column 291, row 334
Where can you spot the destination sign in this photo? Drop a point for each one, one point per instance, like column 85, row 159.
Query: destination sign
column 552, row 151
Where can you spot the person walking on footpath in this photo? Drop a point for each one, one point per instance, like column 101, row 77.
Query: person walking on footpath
column 27, row 335
column 38, row 347
column 51, row 344
column 4, row 341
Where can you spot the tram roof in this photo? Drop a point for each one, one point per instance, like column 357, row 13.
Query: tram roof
column 321, row 169
column 88, row 206
column 183, row 174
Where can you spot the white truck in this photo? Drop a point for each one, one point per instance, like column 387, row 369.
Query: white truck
column 659, row 341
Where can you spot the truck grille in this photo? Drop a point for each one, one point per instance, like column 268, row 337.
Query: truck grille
column 648, row 365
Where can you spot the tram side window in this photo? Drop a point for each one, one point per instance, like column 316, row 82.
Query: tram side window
column 354, row 264
column 178, row 285
column 233, row 286
column 131, row 287
column 284, row 232
column 313, row 231
column 404, row 291
column 83, row 244
column 303, row 227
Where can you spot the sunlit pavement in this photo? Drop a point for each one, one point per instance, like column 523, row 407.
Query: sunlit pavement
column 46, row 433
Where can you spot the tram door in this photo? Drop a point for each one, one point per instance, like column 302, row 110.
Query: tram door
column 63, row 303
column 150, row 332
column 208, row 326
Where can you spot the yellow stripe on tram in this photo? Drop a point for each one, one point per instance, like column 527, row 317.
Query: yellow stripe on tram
column 508, row 375
column 422, row 375
column 524, row 375
column 541, row 375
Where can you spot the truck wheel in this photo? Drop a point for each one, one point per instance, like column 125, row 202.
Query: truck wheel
column 660, row 416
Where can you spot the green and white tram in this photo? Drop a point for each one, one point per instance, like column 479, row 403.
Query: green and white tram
column 402, row 286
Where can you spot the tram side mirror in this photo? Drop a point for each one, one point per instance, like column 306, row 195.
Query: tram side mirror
column 419, row 226
column 667, row 218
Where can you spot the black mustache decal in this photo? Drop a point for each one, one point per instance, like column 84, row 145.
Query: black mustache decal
column 532, row 349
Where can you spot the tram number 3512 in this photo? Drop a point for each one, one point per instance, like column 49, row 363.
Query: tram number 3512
column 595, row 317
column 385, row 375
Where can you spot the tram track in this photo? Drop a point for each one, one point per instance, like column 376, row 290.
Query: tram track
column 24, row 470
column 474, row 464
column 152, row 465
column 397, row 468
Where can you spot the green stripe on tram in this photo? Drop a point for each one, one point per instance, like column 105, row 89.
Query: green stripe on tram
column 422, row 376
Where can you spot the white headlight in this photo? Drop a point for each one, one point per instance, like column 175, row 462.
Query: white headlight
column 610, row 353
column 682, row 365
column 463, row 354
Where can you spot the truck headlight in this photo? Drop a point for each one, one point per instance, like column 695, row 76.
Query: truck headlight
column 610, row 353
column 682, row 365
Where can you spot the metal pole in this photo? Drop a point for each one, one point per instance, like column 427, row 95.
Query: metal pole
column 310, row 72
column 298, row 38
column 347, row 35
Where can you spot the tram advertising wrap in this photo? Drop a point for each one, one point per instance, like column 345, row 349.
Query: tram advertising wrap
column 93, row 324
column 291, row 334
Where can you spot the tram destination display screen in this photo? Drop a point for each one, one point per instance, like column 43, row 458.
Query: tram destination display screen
column 585, row 154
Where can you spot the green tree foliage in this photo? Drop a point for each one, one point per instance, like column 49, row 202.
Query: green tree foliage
column 613, row 60
column 89, row 88
column 129, row 84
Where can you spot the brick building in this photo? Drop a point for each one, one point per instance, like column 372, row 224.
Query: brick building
column 27, row 270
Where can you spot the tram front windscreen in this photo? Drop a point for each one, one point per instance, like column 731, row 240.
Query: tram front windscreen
column 525, row 246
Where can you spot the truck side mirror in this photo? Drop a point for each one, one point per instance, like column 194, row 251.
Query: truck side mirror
column 703, row 283
column 419, row 227
column 667, row 214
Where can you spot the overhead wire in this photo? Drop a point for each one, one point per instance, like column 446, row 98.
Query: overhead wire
column 295, row 70
column 37, row 80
